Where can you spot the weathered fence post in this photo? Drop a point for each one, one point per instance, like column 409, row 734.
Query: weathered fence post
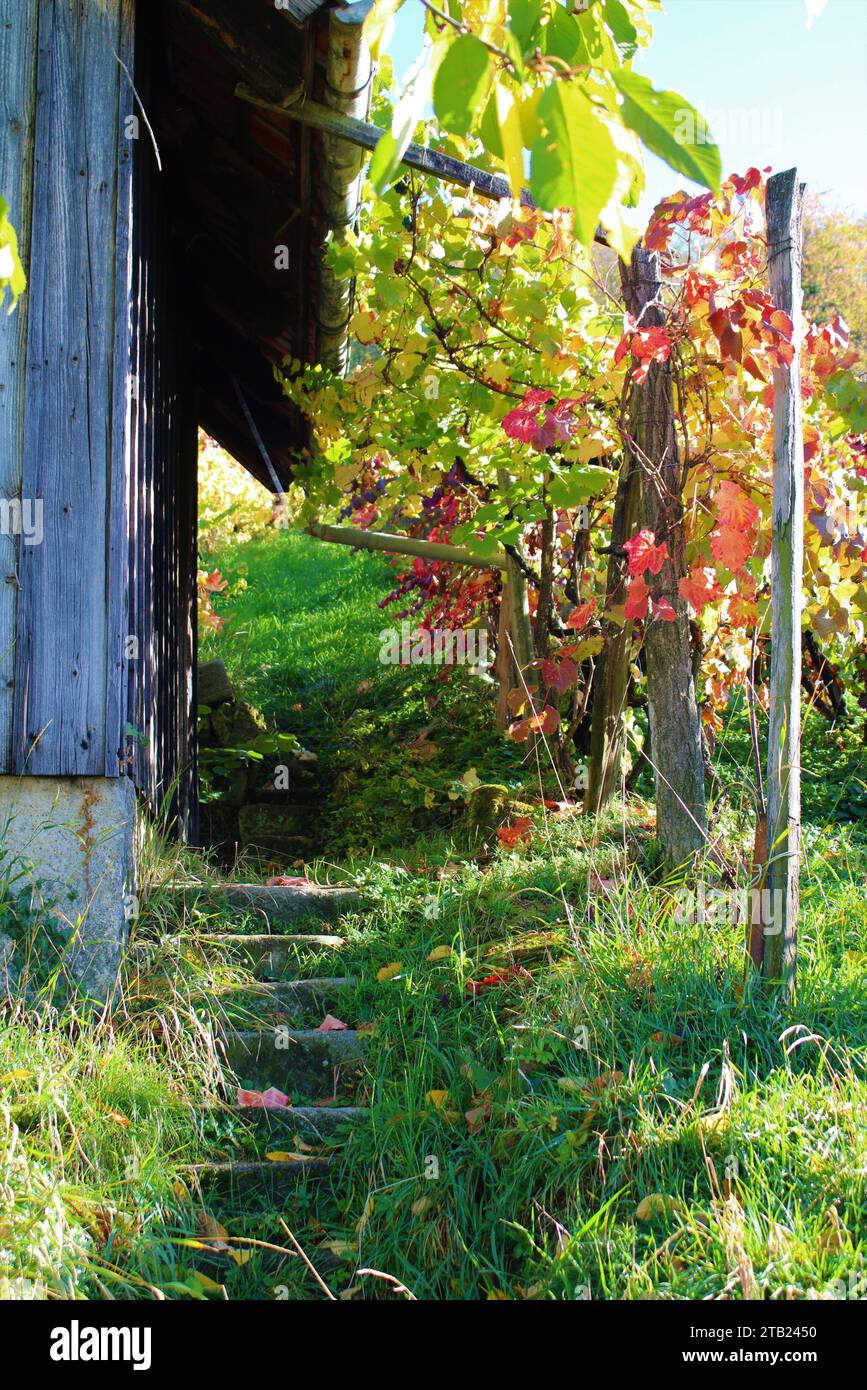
column 675, row 728
column 519, row 616
column 784, row 198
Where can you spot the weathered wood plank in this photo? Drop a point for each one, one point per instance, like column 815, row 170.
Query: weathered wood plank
column 61, row 694
column 118, row 629
column 17, row 111
column 784, row 199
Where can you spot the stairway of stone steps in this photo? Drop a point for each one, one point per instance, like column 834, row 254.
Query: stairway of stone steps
column 285, row 1050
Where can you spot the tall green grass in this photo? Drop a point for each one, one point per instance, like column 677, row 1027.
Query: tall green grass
column 617, row 1113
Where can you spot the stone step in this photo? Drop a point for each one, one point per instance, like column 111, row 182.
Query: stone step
column 298, row 1061
column 276, row 906
column 314, row 993
column 311, row 1122
column 267, row 956
column 244, row 1178
column 303, row 1001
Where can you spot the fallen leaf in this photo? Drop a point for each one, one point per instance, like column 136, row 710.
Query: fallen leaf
column 341, row 1249
column 476, row 1117
column 210, row 1285
column 608, row 1078
column 655, row 1204
column 330, row 1024
column 272, row 1099
column 437, row 1099
column 440, row 953
column 388, row 972
column 500, row 977
column 518, row 833
column 284, row 1156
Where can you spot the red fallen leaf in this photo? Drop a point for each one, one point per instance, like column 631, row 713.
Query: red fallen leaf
column 476, row 1117
column 608, row 1078
column 330, row 1024
column 644, row 554
column 730, row 547
column 214, row 583
column 580, row 616
column 636, row 599
column 272, row 1099
column 499, row 977
column 281, row 881
column 518, row 833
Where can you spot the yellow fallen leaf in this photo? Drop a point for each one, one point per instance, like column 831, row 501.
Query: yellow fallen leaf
column 210, row 1285
column 712, row 1124
column 655, row 1204
column 341, row 1249
column 437, row 1099
column 388, row 972
column 280, row 1156
column 855, row 957
column 365, row 1216
column 210, row 1228
column 440, row 953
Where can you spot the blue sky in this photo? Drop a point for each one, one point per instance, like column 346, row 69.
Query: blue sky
column 773, row 91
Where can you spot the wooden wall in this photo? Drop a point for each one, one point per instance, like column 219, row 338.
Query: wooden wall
column 97, row 420
column 17, row 129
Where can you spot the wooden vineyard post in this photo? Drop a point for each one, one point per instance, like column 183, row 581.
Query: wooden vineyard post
column 519, row 615
column 675, row 727
column 505, row 665
column 784, row 199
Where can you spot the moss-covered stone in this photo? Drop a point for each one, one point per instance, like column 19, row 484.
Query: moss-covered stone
column 490, row 806
column 274, row 827
column 237, row 725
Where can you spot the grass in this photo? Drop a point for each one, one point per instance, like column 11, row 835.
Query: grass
column 617, row 1113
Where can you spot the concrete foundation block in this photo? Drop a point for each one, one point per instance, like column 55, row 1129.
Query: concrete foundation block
column 70, row 841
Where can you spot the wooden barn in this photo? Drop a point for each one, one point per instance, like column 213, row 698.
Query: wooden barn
column 172, row 214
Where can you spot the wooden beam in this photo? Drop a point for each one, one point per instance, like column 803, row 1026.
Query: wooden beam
column 439, row 166
column 253, row 39
column 402, row 545
column 784, row 199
